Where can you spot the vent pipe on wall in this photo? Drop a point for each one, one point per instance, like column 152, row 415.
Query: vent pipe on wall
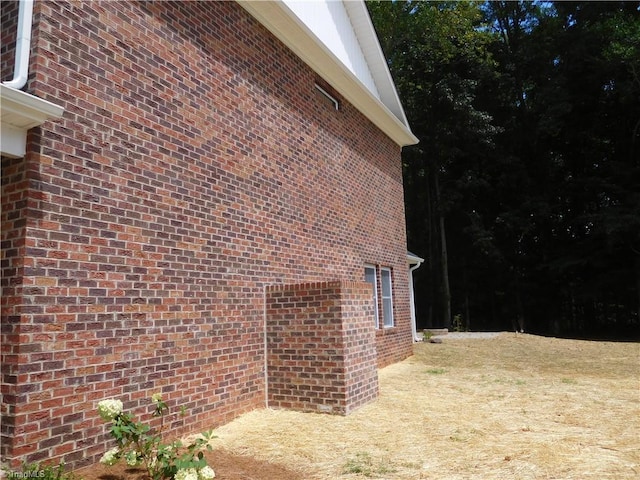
column 23, row 46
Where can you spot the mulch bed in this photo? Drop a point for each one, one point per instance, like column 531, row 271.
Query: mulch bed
column 226, row 465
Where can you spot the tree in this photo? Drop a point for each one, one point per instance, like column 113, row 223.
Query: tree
column 523, row 192
column 569, row 110
column 599, row 60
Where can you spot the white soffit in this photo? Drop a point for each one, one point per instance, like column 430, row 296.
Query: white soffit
column 20, row 111
column 337, row 40
column 330, row 22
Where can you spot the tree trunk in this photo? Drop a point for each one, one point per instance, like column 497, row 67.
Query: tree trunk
column 444, row 261
column 519, row 323
column 638, row 283
column 446, row 292
column 467, row 309
column 430, row 252
column 467, row 313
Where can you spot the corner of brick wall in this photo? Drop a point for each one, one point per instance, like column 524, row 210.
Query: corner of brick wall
column 321, row 347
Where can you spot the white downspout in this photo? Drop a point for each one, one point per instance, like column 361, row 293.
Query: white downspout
column 23, row 46
column 414, row 329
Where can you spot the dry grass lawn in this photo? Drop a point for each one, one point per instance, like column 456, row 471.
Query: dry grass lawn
column 512, row 407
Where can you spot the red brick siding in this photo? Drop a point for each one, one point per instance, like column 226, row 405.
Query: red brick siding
column 195, row 163
column 395, row 344
column 14, row 214
column 321, row 347
column 360, row 359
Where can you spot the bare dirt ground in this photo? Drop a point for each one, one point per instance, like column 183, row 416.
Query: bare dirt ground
column 474, row 407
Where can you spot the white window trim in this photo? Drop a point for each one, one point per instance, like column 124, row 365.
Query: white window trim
column 375, row 291
column 390, row 323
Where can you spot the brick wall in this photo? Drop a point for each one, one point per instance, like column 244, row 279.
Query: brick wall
column 195, row 164
column 319, row 346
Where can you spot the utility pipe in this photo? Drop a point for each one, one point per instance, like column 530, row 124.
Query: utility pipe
column 23, row 46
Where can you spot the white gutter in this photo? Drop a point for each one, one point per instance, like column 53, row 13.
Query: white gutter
column 23, row 46
column 20, row 110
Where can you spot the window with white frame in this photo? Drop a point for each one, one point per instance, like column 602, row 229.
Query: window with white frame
column 371, row 277
column 387, row 296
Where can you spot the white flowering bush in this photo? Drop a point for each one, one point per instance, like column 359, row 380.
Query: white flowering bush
column 138, row 445
column 206, row 473
column 111, row 457
column 187, row 474
column 109, row 409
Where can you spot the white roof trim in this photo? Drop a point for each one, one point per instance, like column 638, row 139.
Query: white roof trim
column 20, row 112
column 386, row 113
column 375, row 58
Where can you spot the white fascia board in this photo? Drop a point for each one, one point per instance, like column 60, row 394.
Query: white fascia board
column 375, row 58
column 288, row 28
column 20, row 111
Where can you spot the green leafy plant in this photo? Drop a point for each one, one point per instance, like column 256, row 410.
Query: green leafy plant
column 458, row 324
column 426, row 335
column 139, row 445
column 360, row 464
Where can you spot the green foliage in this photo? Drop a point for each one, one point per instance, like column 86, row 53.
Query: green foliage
column 523, row 190
column 139, row 445
column 458, row 324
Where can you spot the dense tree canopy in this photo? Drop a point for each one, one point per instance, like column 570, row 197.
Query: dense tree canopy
column 524, row 192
